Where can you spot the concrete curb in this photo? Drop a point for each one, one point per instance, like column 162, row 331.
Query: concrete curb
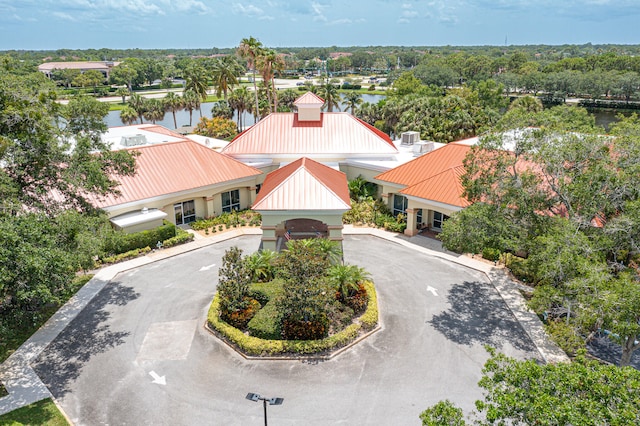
column 25, row 387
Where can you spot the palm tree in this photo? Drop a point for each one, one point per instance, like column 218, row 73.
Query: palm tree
column 249, row 49
column 173, row 103
column 191, row 101
column 239, row 101
column 329, row 92
column 137, row 103
column 270, row 63
column 225, row 75
column 261, row 265
column 346, row 278
column 352, row 100
column 154, row 110
column 128, row 115
column 222, row 109
column 196, row 81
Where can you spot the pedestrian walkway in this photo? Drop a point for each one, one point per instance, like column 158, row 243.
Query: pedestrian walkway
column 25, row 387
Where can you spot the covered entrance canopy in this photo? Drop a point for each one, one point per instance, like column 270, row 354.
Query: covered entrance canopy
column 304, row 199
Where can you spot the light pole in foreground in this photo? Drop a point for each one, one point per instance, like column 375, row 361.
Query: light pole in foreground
column 272, row 401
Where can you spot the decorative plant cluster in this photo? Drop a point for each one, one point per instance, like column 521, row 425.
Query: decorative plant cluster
column 228, row 220
column 304, row 293
column 374, row 213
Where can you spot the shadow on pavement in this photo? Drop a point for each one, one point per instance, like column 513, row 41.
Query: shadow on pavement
column 87, row 335
column 603, row 348
column 479, row 315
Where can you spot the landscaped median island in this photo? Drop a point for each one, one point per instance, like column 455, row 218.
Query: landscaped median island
column 301, row 301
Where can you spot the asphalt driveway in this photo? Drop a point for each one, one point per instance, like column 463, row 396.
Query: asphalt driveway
column 138, row 354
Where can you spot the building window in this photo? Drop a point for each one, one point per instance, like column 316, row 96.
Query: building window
column 400, row 204
column 419, row 218
column 438, row 219
column 258, row 188
column 231, row 201
column 185, row 212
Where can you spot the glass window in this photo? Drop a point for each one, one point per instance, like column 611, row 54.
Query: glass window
column 185, row 212
column 438, row 219
column 230, row 201
column 400, row 203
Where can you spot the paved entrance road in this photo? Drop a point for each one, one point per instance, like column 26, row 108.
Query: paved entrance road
column 146, row 327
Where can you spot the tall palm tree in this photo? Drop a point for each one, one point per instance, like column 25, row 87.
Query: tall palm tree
column 137, row 103
column 352, row 100
column 240, row 101
column 196, row 81
column 128, row 115
column 154, row 110
column 191, row 101
column 346, row 278
column 270, row 63
column 329, row 92
column 226, row 72
column 249, row 49
column 173, row 103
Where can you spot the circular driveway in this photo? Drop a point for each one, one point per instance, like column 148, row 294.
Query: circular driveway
column 138, row 354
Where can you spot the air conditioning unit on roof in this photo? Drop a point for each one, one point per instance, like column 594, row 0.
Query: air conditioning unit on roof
column 134, row 140
column 409, row 138
column 422, row 147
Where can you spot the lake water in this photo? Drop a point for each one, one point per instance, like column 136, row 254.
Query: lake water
column 603, row 117
column 182, row 117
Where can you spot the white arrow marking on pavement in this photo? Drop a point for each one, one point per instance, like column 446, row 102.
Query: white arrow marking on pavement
column 206, row 268
column 432, row 290
column 161, row 380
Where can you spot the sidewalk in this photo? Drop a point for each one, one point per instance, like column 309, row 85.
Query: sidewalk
column 25, row 387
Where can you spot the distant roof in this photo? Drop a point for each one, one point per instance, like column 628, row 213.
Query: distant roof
column 123, row 137
column 49, row 66
column 173, row 167
column 433, row 176
column 335, row 133
column 304, row 185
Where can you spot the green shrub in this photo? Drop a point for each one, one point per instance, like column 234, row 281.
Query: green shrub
column 181, row 237
column 266, row 323
column 370, row 317
column 565, row 336
column 125, row 256
column 255, row 346
column 358, row 301
column 240, row 318
column 264, row 292
column 305, row 330
column 120, row 242
column 491, row 254
column 520, row 268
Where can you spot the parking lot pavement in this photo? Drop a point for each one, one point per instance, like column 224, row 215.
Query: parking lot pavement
column 138, row 354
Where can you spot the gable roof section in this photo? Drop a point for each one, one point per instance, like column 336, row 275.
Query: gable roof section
column 434, row 176
column 445, row 187
column 430, row 164
column 309, row 98
column 335, row 133
column 304, row 185
column 173, row 167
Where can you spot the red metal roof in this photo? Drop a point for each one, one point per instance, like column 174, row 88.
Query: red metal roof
column 304, row 185
column 445, row 187
column 173, row 167
column 433, row 176
column 427, row 165
column 309, row 98
column 337, row 133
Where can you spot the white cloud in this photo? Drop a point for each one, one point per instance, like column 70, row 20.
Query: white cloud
column 64, row 16
column 318, row 12
column 343, row 21
column 247, row 10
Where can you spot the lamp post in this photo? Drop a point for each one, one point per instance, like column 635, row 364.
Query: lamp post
column 255, row 397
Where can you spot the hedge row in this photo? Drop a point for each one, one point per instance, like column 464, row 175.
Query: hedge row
column 251, row 345
column 241, row 218
column 125, row 256
column 181, row 237
column 121, row 242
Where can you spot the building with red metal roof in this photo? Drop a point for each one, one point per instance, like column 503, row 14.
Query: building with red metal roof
column 427, row 189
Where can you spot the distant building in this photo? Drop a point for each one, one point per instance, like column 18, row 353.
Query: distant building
column 104, row 67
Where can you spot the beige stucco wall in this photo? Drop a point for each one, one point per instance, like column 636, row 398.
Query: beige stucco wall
column 273, row 224
column 308, row 114
column 208, row 201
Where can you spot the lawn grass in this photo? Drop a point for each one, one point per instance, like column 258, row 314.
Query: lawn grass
column 42, row 412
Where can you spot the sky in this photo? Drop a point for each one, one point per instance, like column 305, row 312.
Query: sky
column 146, row 24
